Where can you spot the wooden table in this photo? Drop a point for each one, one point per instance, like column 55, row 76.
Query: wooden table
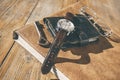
column 17, row 64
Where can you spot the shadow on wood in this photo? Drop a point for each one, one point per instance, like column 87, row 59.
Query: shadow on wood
column 94, row 48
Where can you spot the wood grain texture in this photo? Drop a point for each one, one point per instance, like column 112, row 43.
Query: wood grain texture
column 12, row 19
column 46, row 8
column 13, row 16
column 98, row 61
column 23, row 66
column 5, row 5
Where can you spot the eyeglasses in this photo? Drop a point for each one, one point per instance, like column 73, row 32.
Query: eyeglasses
column 103, row 29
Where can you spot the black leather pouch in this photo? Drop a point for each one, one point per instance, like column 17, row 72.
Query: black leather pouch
column 83, row 34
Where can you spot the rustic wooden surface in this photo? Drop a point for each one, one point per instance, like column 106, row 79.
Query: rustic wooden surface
column 19, row 64
column 15, row 62
column 96, row 61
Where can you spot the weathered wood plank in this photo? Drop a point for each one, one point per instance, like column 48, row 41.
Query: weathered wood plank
column 97, row 61
column 5, row 5
column 45, row 8
column 23, row 66
column 102, row 66
column 68, row 2
column 33, row 73
column 12, row 19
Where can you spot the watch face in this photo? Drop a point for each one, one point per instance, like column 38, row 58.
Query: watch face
column 66, row 25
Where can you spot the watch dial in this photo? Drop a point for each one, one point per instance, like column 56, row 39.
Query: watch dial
column 65, row 24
